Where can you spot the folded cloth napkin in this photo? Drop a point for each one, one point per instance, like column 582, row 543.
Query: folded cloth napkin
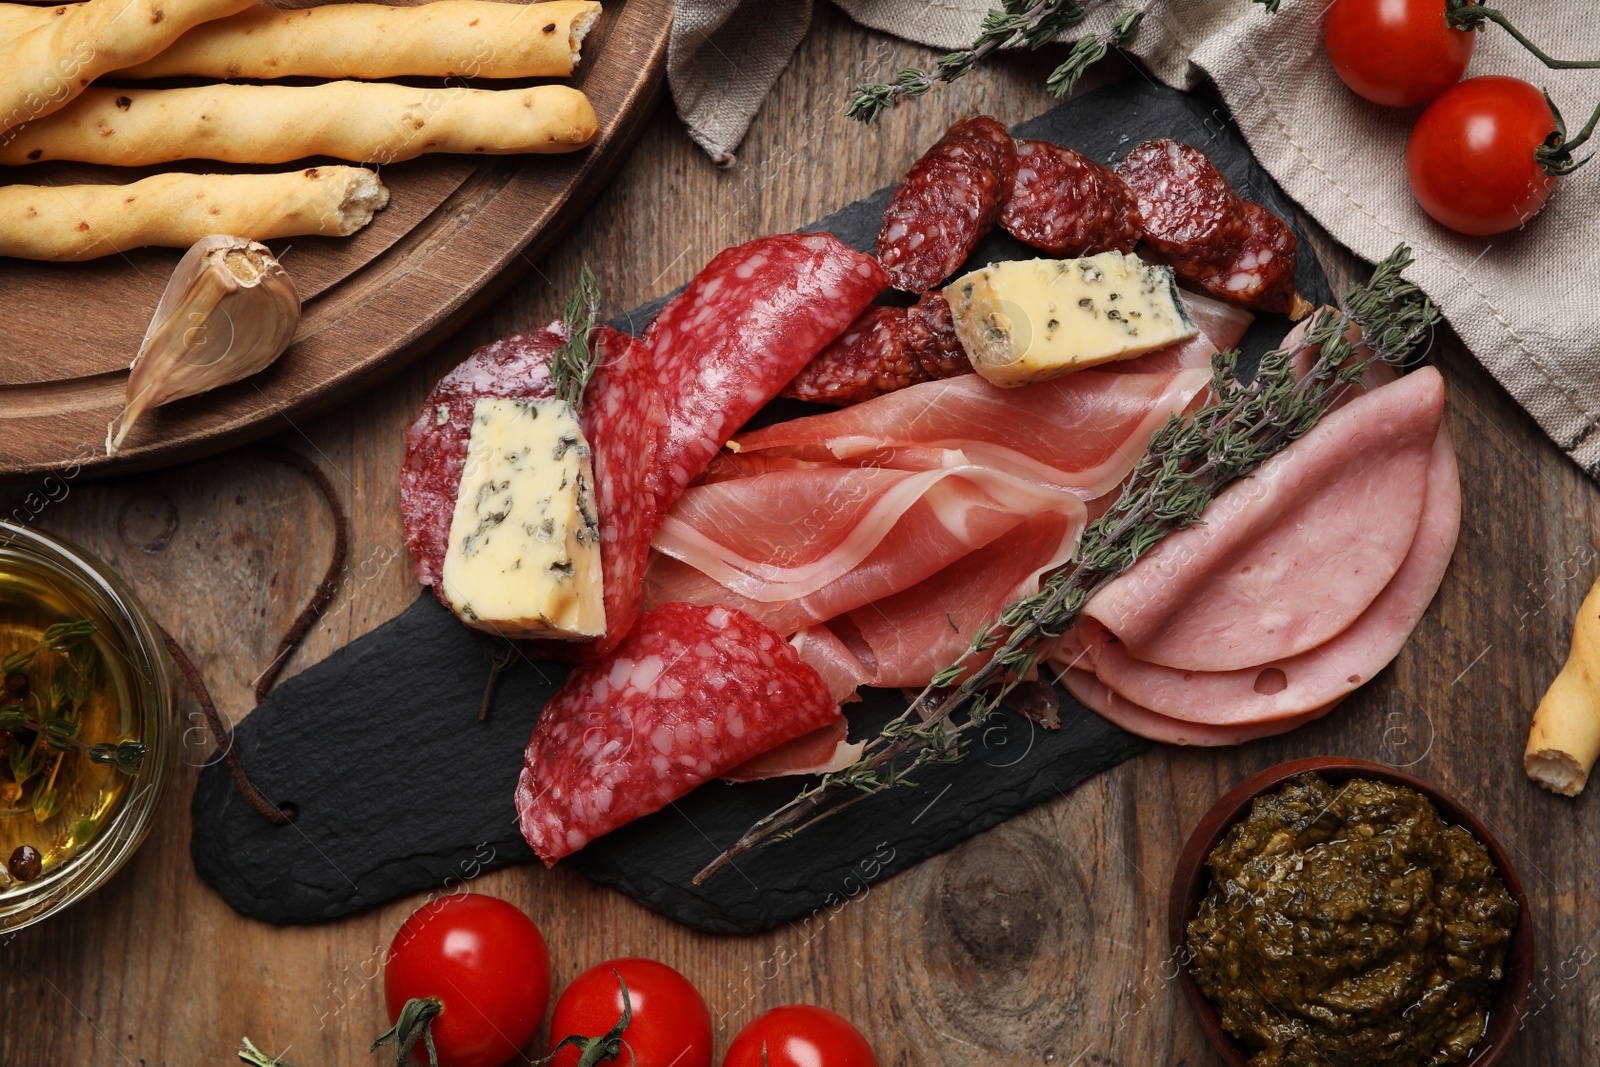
column 1526, row 303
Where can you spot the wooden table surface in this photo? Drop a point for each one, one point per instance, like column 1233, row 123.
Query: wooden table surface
column 1038, row 942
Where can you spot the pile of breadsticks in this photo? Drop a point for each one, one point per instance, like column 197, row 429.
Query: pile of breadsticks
column 51, row 110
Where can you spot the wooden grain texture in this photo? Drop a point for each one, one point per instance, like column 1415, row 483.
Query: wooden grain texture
column 457, row 231
column 1040, row 942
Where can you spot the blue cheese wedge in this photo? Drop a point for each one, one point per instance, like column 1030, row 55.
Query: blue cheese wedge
column 524, row 553
column 1029, row 320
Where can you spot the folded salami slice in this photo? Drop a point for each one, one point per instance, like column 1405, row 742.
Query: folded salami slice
column 621, row 417
column 745, row 326
column 690, row 694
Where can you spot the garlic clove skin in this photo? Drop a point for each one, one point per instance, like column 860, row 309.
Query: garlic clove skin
column 228, row 311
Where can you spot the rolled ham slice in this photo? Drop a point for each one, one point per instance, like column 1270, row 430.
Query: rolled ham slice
column 1289, row 558
column 1295, row 687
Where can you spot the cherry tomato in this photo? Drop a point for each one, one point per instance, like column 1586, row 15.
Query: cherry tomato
column 487, row 964
column 1471, row 156
column 668, row 1023
column 799, row 1035
column 1396, row 52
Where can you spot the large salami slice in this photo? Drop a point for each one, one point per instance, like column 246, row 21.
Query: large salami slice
column 1194, row 222
column 436, row 440
column 1066, row 204
column 692, row 693
column 742, row 330
column 621, row 417
column 885, row 349
column 949, row 199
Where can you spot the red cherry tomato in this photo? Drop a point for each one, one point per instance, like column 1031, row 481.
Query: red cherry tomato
column 1471, row 156
column 486, row 962
column 668, row 1024
column 799, row 1035
column 1396, row 52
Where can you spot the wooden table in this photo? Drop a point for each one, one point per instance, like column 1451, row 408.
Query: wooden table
column 1039, row 942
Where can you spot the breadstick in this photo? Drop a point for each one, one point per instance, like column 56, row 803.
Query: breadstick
column 450, row 38
column 365, row 122
column 70, row 222
column 44, row 68
column 1565, row 739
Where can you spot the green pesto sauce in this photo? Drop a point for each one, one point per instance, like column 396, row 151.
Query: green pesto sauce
column 1348, row 924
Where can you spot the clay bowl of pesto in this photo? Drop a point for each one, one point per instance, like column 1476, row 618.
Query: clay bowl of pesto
column 1343, row 793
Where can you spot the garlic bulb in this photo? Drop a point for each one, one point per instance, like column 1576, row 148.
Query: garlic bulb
column 229, row 310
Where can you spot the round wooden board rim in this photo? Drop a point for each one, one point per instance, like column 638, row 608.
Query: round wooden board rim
column 391, row 309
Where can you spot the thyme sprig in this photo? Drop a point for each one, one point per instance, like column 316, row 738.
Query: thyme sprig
column 574, row 363
column 1188, row 463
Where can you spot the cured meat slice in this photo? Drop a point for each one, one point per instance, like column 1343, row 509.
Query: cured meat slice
column 1193, row 220
column 1068, row 205
column 1083, row 432
column 1223, row 323
column 745, row 326
column 948, row 200
column 819, row 752
column 1237, row 250
column 621, row 418
column 436, row 440
column 839, row 667
column 1098, row 698
column 933, row 338
column 796, row 548
column 689, row 695
column 918, row 632
column 1288, row 558
column 1296, row 686
column 882, row 351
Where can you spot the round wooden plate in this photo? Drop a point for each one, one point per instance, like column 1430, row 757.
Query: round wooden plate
column 458, row 230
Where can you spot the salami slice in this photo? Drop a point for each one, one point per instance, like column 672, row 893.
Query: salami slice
column 1068, row 205
column 690, row 694
column 436, row 440
column 621, row 417
column 1194, row 222
column 885, row 349
column 949, row 199
column 1261, row 274
column 933, row 338
column 742, row 330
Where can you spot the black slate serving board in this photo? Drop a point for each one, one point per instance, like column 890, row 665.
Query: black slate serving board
column 399, row 788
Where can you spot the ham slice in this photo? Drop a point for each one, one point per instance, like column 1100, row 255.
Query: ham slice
column 1104, row 702
column 841, row 671
column 1293, row 555
column 819, row 752
column 1083, row 432
column 1295, row 687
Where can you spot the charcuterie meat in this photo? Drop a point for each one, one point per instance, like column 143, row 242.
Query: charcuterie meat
column 690, row 694
column 949, row 199
column 1291, row 556
column 885, row 349
column 436, row 440
column 741, row 331
column 1194, row 222
column 1105, row 702
column 1068, row 205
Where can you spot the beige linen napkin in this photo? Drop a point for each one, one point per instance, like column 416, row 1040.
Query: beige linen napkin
column 1527, row 303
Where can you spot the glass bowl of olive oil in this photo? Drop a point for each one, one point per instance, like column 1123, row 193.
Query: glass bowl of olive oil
column 89, row 727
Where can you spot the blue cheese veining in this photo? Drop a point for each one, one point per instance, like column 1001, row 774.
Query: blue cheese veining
column 524, row 551
column 1028, row 320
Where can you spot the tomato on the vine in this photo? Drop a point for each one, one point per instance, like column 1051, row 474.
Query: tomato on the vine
column 799, row 1035
column 1472, row 158
column 1396, row 52
column 661, row 1019
column 469, row 977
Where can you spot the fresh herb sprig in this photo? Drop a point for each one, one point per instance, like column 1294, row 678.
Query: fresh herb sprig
column 573, row 364
column 1188, row 463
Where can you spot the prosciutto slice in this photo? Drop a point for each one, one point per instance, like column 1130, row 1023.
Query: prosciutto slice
column 1292, row 688
column 1293, row 555
column 1083, row 432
